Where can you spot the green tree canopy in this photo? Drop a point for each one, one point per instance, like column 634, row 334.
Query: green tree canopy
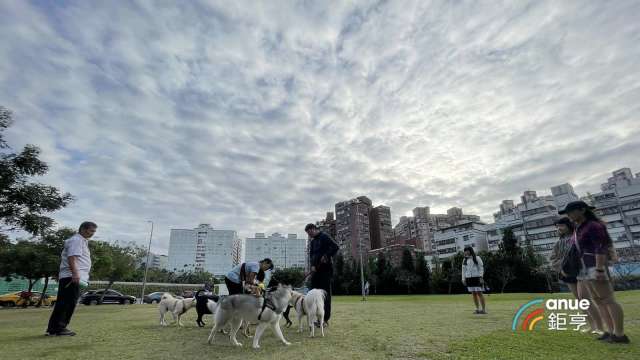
column 24, row 203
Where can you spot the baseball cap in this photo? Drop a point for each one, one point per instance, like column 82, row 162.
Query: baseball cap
column 575, row 205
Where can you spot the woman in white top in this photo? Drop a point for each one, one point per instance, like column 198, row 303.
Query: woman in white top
column 472, row 273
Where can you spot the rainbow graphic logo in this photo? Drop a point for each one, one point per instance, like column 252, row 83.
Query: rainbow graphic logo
column 531, row 319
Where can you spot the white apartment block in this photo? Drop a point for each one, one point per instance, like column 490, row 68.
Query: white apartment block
column 203, row 248
column 158, row 261
column 619, row 206
column 286, row 252
column 507, row 217
column 451, row 240
column 532, row 220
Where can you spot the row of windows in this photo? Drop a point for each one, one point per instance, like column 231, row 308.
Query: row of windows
column 631, row 206
column 447, row 251
column 446, row 242
column 607, row 211
column 544, row 235
column 540, row 223
column 540, row 210
column 543, row 247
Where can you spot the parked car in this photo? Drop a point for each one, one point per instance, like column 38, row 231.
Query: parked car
column 152, row 298
column 18, row 298
column 92, row 297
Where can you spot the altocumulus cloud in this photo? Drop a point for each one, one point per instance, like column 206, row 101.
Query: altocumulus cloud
column 259, row 116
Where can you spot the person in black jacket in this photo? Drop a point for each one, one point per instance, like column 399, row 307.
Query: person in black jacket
column 321, row 250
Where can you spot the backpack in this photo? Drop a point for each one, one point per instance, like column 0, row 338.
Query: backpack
column 572, row 261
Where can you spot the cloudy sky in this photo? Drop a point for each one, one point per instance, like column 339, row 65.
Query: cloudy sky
column 260, row 116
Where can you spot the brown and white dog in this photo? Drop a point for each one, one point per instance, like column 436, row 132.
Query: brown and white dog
column 177, row 308
column 311, row 306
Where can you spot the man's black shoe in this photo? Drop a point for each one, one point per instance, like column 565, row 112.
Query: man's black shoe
column 619, row 339
column 65, row 332
column 604, row 336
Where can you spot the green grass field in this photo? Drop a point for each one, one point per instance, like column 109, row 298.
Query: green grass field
column 384, row 327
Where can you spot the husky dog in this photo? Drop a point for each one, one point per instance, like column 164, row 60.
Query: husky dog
column 177, row 308
column 311, row 305
column 205, row 304
column 265, row 311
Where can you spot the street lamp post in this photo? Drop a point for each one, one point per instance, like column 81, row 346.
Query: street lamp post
column 362, row 273
column 146, row 265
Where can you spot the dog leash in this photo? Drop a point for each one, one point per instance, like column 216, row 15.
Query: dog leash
column 267, row 303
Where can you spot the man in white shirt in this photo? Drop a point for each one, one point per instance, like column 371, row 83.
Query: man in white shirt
column 74, row 272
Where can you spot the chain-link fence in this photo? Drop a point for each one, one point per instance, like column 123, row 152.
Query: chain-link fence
column 135, row 288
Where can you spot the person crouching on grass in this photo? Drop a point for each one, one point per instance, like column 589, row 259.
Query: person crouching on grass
column 596, row 250
column 472, row 273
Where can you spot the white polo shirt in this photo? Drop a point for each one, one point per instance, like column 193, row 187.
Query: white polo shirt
column 78, row 246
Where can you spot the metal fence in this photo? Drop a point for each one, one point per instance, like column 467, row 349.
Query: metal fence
column 135, row 288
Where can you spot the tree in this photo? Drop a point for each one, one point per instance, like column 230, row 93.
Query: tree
column 18, row 260
column 625, row 273
column 423, row 274
column 111, row 262
column 289, row 276
column 339, row 274
column 381, row 265
column 195, row 276
column 509, row 242
column 406, row 274
column 505, row 275
column 52, row 245
column 23, row 202
column 373, row 274
column 347, row 277
column 452, row 269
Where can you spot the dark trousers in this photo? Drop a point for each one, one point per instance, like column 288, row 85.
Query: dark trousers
column 321, row 279
column 68, row 294
column 232, row 287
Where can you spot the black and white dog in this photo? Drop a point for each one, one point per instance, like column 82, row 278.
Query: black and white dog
column 205, row 304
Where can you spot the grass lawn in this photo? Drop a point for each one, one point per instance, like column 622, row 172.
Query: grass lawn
column 384, row 327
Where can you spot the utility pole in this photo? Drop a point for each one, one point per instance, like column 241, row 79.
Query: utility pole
column 146, row 265
column 362, row 272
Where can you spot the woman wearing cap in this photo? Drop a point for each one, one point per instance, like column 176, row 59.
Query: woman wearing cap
column 594, row 243
column 247, row 277
column 579, row 289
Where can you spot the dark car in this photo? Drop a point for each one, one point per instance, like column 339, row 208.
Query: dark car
column 152, row 298
column 92, row 297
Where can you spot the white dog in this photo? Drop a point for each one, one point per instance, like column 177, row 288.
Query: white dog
column 311, row 305
column 248, row 308
column 177, row 308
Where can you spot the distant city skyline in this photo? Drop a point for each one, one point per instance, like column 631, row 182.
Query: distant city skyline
column 260, row 118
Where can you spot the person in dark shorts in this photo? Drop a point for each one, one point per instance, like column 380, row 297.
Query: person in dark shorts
column 597, row 251
column 472, row 278
column 566, row 232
